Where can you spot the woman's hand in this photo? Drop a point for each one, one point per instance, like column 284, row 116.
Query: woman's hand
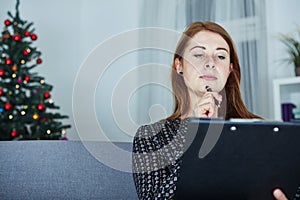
column 279, row 195
column 206, row 106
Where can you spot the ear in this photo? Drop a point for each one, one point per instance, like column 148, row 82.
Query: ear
column 178, row 65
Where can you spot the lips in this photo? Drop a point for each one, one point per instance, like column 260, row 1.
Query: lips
column 208, row 77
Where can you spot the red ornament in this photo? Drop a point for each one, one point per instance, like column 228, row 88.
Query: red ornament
column 27, row 33
column 47, row 95
column 26, row 52
column 14, row 133
column 7, row 22
column 41, row 107
column 1, row 92
column 8, row 61
column 17, row 37
column 33, row 36
column 7, row 106
column 2, row 72
column 43, row 119
column 39, row 61
column 27, row 78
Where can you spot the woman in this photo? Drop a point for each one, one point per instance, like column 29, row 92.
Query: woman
column 206, row 83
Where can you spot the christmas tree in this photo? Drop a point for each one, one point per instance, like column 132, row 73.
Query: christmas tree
column 26, row 107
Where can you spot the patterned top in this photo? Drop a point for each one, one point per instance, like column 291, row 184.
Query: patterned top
column 157, row 149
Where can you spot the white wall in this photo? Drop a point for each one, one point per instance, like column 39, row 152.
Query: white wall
column 68, row 30
column 282, row 17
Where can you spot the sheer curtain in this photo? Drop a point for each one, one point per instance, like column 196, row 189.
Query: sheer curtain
column 200, row 10
column 245, row 22
column 154, row 99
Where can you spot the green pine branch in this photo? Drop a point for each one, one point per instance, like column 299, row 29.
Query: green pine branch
column 26, row 105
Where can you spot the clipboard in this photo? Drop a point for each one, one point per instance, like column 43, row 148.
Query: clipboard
column 239, row 159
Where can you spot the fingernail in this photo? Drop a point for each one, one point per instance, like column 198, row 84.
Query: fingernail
column 277, row 193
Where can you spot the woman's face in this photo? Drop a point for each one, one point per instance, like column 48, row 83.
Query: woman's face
column 205, row 63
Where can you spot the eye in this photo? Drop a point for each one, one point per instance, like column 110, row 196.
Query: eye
column 222, row 57
column 198, row 55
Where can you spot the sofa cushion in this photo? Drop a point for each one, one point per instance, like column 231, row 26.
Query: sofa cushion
column 59, row 170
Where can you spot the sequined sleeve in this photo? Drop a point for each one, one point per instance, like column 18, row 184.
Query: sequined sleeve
column 156, row 149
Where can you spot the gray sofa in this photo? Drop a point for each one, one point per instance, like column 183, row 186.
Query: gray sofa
column 59, row 170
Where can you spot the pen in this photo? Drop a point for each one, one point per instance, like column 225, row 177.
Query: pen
column 208, row 89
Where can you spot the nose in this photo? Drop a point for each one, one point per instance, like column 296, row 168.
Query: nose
column 210, row 64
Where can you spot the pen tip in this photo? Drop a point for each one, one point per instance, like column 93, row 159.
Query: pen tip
column 208, row 89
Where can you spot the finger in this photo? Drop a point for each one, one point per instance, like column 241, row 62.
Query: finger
column 208, row 97
column 207, row 109
column 216, row 96
column 203, row 110
column 279, row 195
column 210, row 105
column 205, row 106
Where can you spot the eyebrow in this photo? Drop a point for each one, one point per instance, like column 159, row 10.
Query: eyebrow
column 202, row 47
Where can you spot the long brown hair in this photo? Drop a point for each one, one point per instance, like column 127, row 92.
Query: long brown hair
column 235, row 107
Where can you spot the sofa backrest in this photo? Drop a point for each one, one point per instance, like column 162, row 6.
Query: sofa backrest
column 59, row 170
